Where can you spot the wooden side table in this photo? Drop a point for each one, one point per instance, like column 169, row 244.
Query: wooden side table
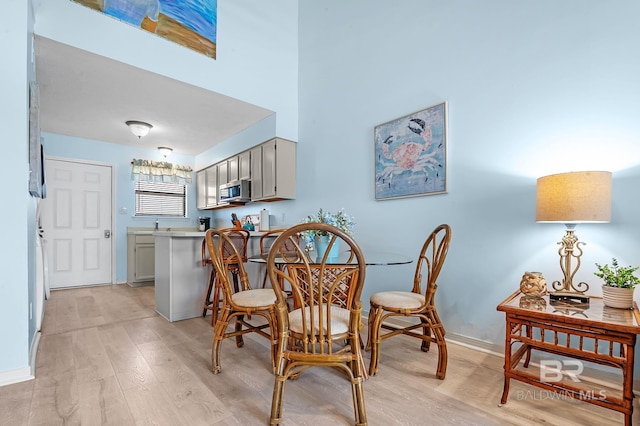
column 589, row 332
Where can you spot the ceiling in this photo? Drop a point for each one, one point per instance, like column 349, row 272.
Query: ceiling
column 89, row 96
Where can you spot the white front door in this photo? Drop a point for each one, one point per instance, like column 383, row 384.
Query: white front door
column 77, row 223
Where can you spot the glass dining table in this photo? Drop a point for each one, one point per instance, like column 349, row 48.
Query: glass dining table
column 371, row 257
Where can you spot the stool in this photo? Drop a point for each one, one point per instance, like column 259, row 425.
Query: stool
column 239, row 238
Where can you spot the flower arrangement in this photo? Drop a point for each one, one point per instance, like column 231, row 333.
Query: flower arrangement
column 617, row 276
column 340, row 220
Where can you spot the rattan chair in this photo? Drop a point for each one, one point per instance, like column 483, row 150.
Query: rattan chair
column 322, row 329
column 418, row 303
column 238, row 303
column 232, row 258
column 266, row 241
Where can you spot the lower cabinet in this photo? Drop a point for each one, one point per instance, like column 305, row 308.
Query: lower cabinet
column 140, row 259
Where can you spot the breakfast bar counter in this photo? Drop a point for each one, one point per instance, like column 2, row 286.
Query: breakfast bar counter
column 180, row 278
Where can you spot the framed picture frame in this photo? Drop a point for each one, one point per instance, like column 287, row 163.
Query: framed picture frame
column 36, row 160
column 411, row 154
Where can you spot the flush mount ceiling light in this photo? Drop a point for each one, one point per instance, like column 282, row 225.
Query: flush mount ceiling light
column 139, row 128
column 165, row 151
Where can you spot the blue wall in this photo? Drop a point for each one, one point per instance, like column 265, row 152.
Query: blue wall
column 16, row 260
column 533, row 88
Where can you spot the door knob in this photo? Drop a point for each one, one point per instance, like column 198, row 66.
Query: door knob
column 107, row 233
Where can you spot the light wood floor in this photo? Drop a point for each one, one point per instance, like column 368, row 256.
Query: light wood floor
column 106, row 358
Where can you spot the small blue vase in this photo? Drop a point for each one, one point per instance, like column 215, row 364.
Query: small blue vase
column 322, row 242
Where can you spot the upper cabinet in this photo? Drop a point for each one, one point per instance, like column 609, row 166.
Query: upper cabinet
column 270, row 167
column 207, row 187
column 223, row 172
column 256, row 172
column 201, row 188
column 232, row 169
column 244, row 165
column 278, row 170
column 212, row 186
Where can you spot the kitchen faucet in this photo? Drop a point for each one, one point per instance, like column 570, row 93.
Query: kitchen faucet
column 156, row 228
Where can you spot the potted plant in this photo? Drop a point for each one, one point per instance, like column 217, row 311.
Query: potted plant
column 340, row 220
column 619, row 282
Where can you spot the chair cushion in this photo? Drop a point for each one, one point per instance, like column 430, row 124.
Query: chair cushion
column 398, row 299
column 257, row 297
column 339, row 320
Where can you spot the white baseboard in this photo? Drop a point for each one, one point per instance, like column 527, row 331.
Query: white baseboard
column 25, row 373
column 590, row 374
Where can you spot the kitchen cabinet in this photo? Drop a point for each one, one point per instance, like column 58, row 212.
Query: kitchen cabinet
column 232, row 169
column 207, row 187
column 201, row 188
column 270, row 167
column 256, row 172
column 244, row 165
column 278, row 170
column 140, row 259
column 212, row 186
column 223, row 173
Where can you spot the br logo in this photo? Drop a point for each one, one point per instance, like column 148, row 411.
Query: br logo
column 551, row 370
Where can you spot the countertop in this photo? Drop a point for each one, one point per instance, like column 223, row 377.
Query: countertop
column 182, row 232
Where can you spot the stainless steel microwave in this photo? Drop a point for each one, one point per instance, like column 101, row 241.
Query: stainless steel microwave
column 237, row 191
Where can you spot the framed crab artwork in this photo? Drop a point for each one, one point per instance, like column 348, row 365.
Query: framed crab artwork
column 411, row 154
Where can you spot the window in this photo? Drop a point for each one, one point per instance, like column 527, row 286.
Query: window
column 161, row 199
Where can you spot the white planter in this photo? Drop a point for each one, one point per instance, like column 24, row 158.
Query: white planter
column 616, row 297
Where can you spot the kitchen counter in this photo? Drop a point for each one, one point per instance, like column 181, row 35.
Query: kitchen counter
column 180, row 278
column 189, row 234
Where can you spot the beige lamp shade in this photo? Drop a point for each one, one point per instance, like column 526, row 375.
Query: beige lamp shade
column 576, row 197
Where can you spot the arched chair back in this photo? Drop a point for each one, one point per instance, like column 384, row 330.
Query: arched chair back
column 266, row 241
column 418, row 303
column 234, row 253
column 239, row 300
column 322, row 327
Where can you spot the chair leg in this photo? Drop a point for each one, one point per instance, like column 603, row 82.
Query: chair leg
column 239, row 339
column 442, row 357
column 207, row 299
column 426, row 332
column 276, row 401
column 274, row 333
column 357, row 390
column 374, row 340
column 438, row 333
column 238, row 327
column 372, row 314
column 218, row 336
column 215, row 304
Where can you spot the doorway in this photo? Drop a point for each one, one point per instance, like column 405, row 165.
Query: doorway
column 77, row 220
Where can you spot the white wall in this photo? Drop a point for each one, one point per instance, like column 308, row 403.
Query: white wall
column 533, row 88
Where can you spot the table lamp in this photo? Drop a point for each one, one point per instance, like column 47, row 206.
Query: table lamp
column 572, row 198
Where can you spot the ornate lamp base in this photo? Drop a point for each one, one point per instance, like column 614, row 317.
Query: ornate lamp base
column 569, row 296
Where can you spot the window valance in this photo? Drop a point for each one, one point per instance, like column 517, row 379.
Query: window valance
column 160, row 171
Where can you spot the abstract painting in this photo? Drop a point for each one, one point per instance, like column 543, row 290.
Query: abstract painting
column 191, row 23
column 410, row 154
